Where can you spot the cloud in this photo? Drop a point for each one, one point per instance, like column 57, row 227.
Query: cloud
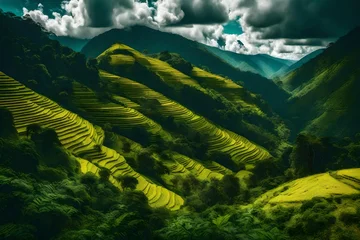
column 299, row 19
column 281, row 28
column 100, row 13
column 188, row 12
column 203, row 12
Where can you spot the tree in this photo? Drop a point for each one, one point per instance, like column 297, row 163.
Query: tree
column 7, row 128
column 33, row 129
column 302, row 156
column 231, row 186
column 146, row 163
column 104, row 174
column 128, row 182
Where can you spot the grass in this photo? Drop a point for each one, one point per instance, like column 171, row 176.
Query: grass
column 342, row 183
column 78, row 136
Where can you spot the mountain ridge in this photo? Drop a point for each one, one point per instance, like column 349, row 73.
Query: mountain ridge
column 253, row 82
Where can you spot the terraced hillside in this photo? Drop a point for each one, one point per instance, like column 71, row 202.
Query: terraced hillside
column 119, row 54
column 240, row 149
column 232, row 91
column 217, row 98
column 342, row 183
column 78, row 136
column 128, row 118
column 198, row 78
column 123, row 114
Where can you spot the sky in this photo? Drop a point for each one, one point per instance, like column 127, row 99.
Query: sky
column 281, row 28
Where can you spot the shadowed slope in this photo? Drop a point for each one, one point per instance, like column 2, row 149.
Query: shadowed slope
column 325, row 90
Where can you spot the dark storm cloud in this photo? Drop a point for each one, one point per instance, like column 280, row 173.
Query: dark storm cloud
column 305, row 42
column 100, row 12
column 203, row 12
column 299, row 19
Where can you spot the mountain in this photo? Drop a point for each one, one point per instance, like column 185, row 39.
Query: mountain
column 157, row 41
column 196, row 53
column 262, row 64
column 287, row 69
column 324, row 90
column 73, row 43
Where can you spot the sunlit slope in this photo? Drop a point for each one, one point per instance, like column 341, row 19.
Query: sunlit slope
column 77, row 135
column 334, row 184
column 222, row 140
column 168, row 74
column 113, row 113
column 217, row 98
column 128, row 118
column 198, row 79
column 230, row 90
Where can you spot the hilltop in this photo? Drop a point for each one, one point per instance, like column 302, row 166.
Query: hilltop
column 220, row 62
column 197, row 53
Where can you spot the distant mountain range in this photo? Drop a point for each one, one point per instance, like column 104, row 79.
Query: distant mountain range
column 287, row 69
column 154, row 41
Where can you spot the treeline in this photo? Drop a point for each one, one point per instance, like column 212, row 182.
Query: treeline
column 28, row 55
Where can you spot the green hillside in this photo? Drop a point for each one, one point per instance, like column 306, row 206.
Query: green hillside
column 78, row 136
column 287, row 69
column 220, row 62
column 327, row 87
column 240, row 149
column 196, row 89
column 341, row 184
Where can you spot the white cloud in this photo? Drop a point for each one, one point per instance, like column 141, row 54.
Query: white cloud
column 75, row 23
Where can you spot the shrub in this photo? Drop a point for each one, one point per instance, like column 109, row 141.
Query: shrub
column 19, row 155
column 7, row 128
column 52, row 174
column 104, row 174
column 128, row 182
column 350, row 217
column 89, row 179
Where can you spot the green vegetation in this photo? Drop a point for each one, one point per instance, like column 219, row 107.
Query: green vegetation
column 246, row 114
column 176, row 152
column 235, row 66
column 326, row 87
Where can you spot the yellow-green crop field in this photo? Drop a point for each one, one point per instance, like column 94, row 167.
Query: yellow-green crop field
column 78, row 136
column 334, row 184
column 239, row 148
